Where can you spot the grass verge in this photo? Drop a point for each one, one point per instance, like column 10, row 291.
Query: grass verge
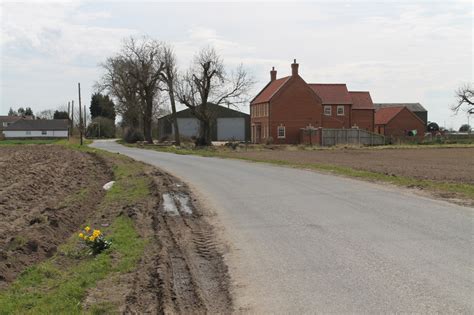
column 463, row 190
column 59, row 284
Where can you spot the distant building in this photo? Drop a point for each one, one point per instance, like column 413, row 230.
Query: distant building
column 398, row 123
column 40, row 128
column 416, row 108
column 6, row 121
column 227, row 124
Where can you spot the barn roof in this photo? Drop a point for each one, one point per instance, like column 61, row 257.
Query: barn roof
column 39, row 124
column 332, row 93
column 361, row 100
column 384, row 115
column 414, row 107
column 218, row 111
column 269, row 90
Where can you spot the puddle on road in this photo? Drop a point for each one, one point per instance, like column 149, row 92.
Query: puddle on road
column 184, row 202
column 169, row 205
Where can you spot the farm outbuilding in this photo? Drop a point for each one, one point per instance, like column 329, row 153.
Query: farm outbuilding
column 415, row 108
column 40, row 128
column 227, row 124
column 398, row 123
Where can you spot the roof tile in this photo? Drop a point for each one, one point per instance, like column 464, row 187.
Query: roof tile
column 361, row 100
column 332, row 93
column 270, row 90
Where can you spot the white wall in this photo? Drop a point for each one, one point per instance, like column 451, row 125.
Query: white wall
column 35, row 134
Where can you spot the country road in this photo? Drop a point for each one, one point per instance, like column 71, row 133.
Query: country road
column 305, row 242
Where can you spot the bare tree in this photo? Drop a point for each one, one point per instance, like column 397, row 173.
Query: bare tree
column 133, row 78
column 169, row 75
column 464, row 99
column 146, row 67
column 206, row 83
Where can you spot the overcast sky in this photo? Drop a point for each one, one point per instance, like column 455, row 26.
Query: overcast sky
column 400, row 51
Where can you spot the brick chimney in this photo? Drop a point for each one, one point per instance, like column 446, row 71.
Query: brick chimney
column 294, row 68
column 273, row 74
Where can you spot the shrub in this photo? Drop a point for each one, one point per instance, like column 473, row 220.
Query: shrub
column 101, row 127
column 132, row 135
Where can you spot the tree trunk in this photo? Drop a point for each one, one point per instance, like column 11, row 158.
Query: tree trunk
column 147, row 120
column 205, row 134
column 177, row 139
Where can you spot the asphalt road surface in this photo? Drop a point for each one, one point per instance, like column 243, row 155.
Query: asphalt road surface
column 304, row 242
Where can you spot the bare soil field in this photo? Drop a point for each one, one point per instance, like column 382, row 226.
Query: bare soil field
column 439, row 164
column 46, row 192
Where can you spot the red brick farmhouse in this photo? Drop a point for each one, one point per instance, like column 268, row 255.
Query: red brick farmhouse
column 287, row 105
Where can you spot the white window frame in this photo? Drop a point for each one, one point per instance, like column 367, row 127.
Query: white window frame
column 327, row 110
column 28, row 132
column 44, row 132
column 338, row 108
column 281, row 127
column 5, row 124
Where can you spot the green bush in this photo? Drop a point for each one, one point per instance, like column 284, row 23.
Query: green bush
column 132, row 135
column 101, row 127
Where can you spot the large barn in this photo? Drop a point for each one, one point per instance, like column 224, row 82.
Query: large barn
column 228, row 124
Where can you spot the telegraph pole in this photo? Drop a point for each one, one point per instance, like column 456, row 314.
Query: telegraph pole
column 69, row 119
column 72, row 117
column 80, row 111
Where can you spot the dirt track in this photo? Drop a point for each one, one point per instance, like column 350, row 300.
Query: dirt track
column 440, row 164
column 183, row 270
column 46, row 192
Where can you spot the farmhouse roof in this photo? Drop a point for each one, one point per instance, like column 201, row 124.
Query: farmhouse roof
column 332, row 93
column 269, row 90
column 414, row 107
column 361, row 100
column 39, row 124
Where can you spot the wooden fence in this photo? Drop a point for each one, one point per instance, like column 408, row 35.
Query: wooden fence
column 330, row 137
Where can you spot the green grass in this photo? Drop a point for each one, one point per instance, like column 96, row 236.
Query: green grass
column 31, row 141
column 465, row 190
column 59, row 284
column 48, row 288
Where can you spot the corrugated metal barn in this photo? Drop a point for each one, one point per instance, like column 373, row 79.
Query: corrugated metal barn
column 228, row 124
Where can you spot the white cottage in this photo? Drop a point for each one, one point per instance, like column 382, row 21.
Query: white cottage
column 40, row 128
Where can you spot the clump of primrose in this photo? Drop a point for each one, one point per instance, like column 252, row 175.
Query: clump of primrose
column 94, row 239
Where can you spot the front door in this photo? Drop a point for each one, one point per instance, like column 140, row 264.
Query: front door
column 258, row 134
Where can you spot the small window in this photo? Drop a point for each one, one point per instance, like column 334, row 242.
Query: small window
column 5, row 124
column 44, row 132
column 340, row 111
column 327, row 110
column 28, row 132
column 281, row 132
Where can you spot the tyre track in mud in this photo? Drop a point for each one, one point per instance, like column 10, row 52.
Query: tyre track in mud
column 182, row 271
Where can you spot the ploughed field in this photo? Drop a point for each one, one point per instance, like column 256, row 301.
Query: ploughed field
column 439, row 164
column 46, row 192
column 166, row 259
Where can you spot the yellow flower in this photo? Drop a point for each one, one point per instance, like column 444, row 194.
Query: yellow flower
column 85, row 237
column 81, row 235
column 87, row 229
column 91, row 238
column 96, row 233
